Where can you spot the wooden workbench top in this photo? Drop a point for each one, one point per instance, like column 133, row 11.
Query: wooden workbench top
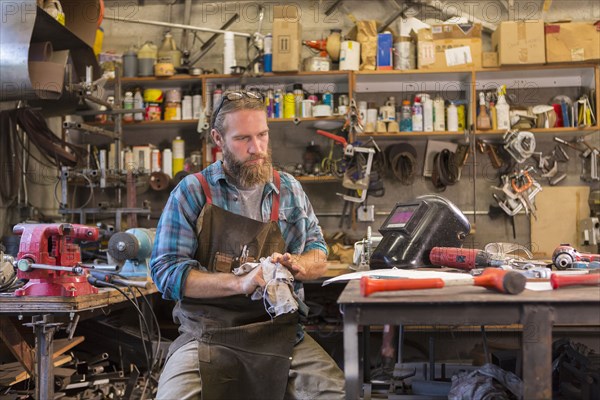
column 11, row 304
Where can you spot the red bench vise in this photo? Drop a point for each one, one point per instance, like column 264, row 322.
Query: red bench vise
column 51, row 261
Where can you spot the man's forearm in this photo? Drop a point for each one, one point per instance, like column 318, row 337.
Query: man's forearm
column 202, row 285
column 314, row 263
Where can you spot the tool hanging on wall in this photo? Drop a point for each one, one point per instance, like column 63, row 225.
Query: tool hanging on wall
column 519, row 189
column 51, row 261
column 358, row 177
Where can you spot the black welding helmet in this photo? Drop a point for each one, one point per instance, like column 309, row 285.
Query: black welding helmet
column 413, row 229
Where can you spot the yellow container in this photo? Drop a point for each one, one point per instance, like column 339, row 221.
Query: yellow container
column 178, row 154
column 289, row 105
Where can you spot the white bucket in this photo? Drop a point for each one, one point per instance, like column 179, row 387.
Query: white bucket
column 349, row 56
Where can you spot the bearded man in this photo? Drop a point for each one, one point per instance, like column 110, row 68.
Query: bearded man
column 231, row 346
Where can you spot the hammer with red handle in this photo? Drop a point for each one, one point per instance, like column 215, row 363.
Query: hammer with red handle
column 499, row 280
column 558, row 281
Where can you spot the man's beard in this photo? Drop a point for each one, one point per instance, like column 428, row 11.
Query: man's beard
column 248, row 174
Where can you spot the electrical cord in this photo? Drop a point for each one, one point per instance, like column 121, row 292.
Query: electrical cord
column 158, row 334
column 98, row 282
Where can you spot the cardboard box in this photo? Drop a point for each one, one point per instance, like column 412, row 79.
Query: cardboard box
column 489, row 59
column 287, row 35
column 572, row 41
column 519, row 42
column 384, row 51
column 449, row 47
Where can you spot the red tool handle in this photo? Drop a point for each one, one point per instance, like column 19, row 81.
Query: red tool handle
column 369, row 286
column 457, row 257
column 332, row 136
column 501, row 281
column 559, row 281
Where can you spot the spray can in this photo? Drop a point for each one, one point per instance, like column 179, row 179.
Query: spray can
column 268, row 57
column 178, row 154
column 228, row 52
column 289, row 105
column 216, row 97
column 417, row 115
column 298, row 97
column 167, row 162
column 462, row 124
column 452, row 118
column 278, row 104
column 270, row 103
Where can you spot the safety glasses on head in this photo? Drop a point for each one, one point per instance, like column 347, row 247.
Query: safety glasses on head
column 235, row 96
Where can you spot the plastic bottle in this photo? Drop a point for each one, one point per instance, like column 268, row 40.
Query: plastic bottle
column 196, row 105
column 483, row 119
column 439, row 118
column 503, row 110
column 130, row 63
column 128, row 105
column 406, row 117
column 452, row 118
column 186, row 107
column 417, row 115
column 216, row 97
column 147, row 56
column 427, row 113
column 167, row 162
column 168, row 51
column 138, row 102
column 493, row 115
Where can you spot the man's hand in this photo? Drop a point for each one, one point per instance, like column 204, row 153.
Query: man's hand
column 291, row 263
column 252, row 280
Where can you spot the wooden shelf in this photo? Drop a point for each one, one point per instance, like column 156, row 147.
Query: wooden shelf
column 396, row 135
column 317, row 179
column 548, row 131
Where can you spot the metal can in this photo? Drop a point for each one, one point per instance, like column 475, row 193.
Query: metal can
column 306, row 109
column 278, row 104
column 289, row 105
column 462, row 125
column 269, row 102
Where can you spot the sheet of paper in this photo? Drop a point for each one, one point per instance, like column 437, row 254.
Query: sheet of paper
column 458, row 56
column 399, row 273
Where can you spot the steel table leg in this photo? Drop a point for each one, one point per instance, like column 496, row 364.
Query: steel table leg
column 537, row 352
column 351, row 357
column 43, row 329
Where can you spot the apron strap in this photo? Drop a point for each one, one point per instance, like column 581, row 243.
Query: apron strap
column 275, row 206
column 205, row 187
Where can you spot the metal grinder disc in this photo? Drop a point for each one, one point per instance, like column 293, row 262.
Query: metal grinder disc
column 123, row 246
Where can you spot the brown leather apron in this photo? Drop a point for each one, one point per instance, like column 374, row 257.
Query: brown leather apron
column 243, row 353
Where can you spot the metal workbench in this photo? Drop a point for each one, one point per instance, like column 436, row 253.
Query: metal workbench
column 538, row 312
column 41, row 311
